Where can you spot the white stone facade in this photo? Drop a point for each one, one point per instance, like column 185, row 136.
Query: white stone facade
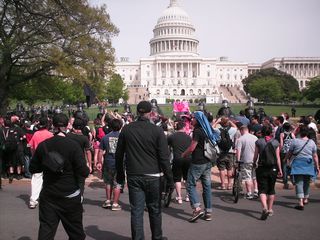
column 301, row 68
column 174, row 69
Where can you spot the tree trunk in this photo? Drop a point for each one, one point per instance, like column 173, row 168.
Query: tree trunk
column 4, row 102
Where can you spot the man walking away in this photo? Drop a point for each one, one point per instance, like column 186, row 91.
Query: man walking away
column 245, row 146
column 147, row 155
column 60, row 198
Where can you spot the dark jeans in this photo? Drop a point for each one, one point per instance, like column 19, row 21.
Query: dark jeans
column 145, row 190
column 68, row 210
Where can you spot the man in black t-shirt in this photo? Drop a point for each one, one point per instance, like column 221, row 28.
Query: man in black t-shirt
column 200, row 168
column 179, row 142
column 84, row 144
column 60, row 198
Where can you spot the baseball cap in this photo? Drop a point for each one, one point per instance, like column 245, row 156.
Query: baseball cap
column 144, row 107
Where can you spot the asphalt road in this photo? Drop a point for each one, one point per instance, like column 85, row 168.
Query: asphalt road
column 230, row 221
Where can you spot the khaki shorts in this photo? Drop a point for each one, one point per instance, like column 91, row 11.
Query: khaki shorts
column 247, row 172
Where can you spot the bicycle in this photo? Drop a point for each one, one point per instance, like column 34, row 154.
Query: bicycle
column 237, row 182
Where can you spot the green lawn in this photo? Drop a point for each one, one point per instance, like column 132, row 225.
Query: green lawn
column 270, row 110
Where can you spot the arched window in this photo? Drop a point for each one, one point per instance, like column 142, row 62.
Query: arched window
column 183, row 92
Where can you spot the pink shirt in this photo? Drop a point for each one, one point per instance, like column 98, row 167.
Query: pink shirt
column 38, row 137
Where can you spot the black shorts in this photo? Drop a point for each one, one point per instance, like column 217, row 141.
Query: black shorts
column 180, row 169
column 266, row 179
column 225, row 161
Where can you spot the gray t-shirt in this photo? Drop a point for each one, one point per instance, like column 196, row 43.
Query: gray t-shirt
column 246, row 144
column 307, row 151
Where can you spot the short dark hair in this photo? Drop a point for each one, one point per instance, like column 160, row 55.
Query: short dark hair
column 78, row 124
column 115, row 124
column 60, row 120
column 43, row 122
column 266, row 130
column 286, row 126
column 304, row 131
column 281, row 119
column 180, row 125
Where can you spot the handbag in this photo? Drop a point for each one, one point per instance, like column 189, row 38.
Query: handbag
column 53, row 161
column 210, row 151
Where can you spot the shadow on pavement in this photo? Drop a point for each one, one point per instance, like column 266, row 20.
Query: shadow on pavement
column 246, row 212
column 24, row 238
column 25, row 198
column 94, row 232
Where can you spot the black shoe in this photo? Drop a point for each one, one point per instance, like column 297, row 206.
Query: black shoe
column 10, row 178
column 299, row 207
column 264, row 214
column 19, row 177
column 196, row 215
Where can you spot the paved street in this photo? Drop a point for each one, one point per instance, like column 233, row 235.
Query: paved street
column 230, row 221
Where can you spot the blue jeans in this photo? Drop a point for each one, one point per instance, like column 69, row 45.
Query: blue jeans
column 26, row 159
column 145, row 190
column 202, row 172
column 302, row 185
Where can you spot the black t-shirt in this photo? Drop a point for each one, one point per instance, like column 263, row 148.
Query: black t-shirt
column 179, row 141
column 82, row 140
column 198, row 153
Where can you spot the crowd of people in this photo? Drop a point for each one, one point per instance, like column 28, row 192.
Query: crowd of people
column 143, row 149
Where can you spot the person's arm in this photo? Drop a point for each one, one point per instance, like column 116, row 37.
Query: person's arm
column 119, row 156
column 238, row 151
column 100, row 160
column 190, row 149
column 255, row 156
column 281, row 140
column 214, row 125
column 316, row 161
column 279, row 162
column 79, row 163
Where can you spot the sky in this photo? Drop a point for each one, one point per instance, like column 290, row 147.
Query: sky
column 251, row 31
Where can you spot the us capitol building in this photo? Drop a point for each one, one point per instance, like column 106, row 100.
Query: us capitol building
column 174, row 69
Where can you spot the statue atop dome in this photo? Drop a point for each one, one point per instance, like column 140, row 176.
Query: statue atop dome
column 174, row 3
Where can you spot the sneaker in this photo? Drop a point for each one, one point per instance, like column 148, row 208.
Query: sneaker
column 255, row 195
column 179, row 200
column 270, row 213
column 187, row 199
column 249, row 196
column 106, row 204
column 115, row 207
column 207, row 217
column 196, row 215
column 264, row 214
column 33, row 205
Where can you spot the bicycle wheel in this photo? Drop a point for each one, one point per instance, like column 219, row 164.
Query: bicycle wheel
column 236, row 188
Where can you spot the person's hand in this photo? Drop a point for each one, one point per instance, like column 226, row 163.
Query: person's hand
column 280, row 174
column 255, row 165
column 99, row 167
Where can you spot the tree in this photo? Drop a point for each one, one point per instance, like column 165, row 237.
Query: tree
column 312, row 90
column 271, row 85
column 46, row 39
column 115, row 89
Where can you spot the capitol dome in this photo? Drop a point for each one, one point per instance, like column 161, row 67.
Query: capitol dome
column 174, row 33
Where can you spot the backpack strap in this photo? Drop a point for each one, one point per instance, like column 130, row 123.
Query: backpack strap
column 296, row 154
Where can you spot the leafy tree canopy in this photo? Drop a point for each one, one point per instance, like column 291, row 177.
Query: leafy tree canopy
column 312, row 90
column 46, row 39
column 115, row 89
column 271, row 85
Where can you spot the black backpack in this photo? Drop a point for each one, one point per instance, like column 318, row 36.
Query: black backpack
column 10, row 142
column 225, row 142
column 268, row 157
